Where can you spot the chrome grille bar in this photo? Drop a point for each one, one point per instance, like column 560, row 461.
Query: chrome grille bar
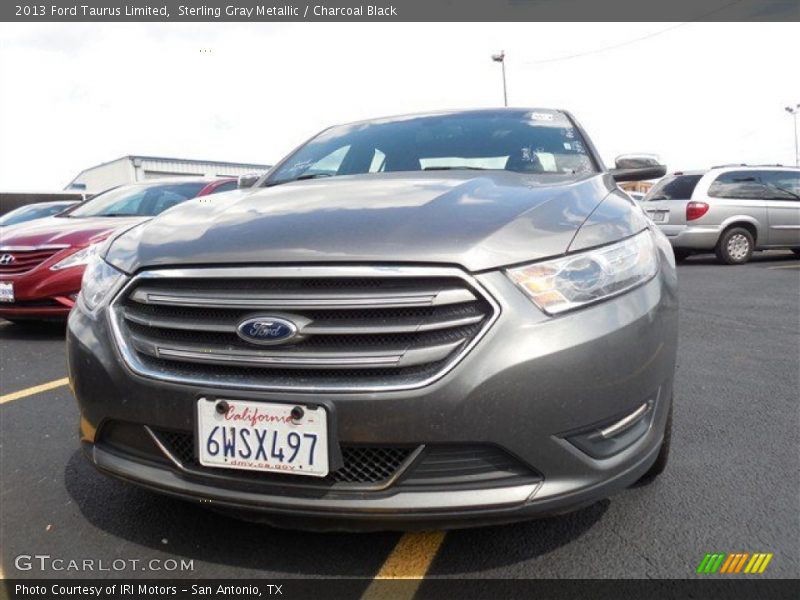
column 322, row 327
column 340, row 360
column 309, row 301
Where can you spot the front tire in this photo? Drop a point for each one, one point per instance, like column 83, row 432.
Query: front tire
column 735, row 246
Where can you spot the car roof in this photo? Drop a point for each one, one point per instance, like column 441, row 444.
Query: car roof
column 730, row 168
column 682, row 173
column 487, row 112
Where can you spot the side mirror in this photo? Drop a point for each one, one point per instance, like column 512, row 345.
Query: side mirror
column 637, row 167
column 247, row 181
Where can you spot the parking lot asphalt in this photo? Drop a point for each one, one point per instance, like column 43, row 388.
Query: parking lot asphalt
column 732, row 484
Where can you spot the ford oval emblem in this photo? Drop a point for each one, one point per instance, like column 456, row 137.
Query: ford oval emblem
column 266, row 330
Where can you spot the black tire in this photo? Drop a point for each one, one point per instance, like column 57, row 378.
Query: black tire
column 681, row 254
column 663, row 454
column 796, row 252
column 735, row 246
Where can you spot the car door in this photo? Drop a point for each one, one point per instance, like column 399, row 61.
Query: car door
column 783, row 207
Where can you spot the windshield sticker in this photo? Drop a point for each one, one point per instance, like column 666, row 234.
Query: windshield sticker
column 537, row 116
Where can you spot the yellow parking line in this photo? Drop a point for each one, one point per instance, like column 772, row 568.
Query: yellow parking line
column 37, row 389
column 792, row 266
column 410, row 560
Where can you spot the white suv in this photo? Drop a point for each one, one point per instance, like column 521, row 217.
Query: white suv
column 730, row 210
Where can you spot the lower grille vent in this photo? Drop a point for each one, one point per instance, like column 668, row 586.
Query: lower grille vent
column 369, row 465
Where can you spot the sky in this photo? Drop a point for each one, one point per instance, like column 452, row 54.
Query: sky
column 75, row 95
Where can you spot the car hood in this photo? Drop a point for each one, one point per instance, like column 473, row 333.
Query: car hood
column 60, row 231
column 474, row 219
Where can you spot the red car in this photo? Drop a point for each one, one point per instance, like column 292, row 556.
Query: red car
column 42, row 262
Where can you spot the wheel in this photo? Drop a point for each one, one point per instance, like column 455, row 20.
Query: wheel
column 662, row 459
column 796, row 251
column 735, row 246
column 681, row 254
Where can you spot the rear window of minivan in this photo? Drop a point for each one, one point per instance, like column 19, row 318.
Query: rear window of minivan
column 673, row 187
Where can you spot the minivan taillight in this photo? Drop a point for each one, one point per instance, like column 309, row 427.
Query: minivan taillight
column 695, row 210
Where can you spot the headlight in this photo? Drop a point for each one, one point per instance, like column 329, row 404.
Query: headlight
column 81, row 257
column 99, row 280
column 565, row 283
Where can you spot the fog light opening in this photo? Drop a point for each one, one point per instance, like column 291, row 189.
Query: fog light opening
column 625, row 423
column 614, row 437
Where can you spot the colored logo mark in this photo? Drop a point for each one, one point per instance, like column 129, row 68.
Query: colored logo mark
column 741, row 562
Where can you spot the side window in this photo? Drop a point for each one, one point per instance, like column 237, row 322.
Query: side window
column 746, row 185
column 782, row 185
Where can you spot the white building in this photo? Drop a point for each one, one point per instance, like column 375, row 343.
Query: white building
column 129, row 169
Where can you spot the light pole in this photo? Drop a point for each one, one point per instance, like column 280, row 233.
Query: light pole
column 501, row 58
column 793, row 112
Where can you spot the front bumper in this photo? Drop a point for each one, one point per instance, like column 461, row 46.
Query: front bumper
column 530, row 383
column 42, row 293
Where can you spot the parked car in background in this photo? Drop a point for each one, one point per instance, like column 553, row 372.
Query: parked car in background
column 39, row 210
column 731, row 210
column 42, row 263
column 431, row 320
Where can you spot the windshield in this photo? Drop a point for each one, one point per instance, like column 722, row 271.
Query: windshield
column 138, row 200
column 541, row 141
column 673, row 187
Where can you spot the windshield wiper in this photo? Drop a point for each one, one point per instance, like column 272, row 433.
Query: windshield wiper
column 299, row 178
column 311, row 176
column 120, row 215
column 461, row 168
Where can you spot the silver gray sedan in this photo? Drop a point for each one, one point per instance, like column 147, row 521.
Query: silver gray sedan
column 441, row 320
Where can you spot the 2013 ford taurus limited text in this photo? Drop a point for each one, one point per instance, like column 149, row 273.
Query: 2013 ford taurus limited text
column 445, row 319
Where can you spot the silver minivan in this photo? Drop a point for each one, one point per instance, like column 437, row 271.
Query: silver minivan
column 731, row 210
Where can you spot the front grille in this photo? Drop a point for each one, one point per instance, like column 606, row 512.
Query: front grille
column 376, row 329
column 43, row 303
column 16, row 262
column 365, row 465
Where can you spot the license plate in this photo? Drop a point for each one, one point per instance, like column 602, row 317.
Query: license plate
column 263, row 436
column 658, row 216
column 6, row 292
